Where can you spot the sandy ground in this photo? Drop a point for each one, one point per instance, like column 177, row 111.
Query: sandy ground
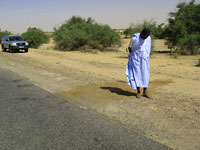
column 96, row 81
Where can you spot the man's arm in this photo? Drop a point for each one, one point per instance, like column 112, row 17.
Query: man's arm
column 131, row 43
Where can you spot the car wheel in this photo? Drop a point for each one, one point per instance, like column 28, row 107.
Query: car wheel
column 3, row 48
column 26, row 50
column 11, row 50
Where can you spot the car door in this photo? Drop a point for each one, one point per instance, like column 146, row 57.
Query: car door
column 3, row 41
column 6, row 45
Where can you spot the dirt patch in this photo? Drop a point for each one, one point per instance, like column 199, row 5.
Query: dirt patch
column 99, row 93
column 108, row 92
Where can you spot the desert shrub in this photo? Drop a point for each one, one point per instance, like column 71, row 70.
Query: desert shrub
column 183, row 31
column 128, row 31
column 157, row 31
column 35, row 37
column 188, row 44
column 133, row 28
column 2, row 33
column 79, row 33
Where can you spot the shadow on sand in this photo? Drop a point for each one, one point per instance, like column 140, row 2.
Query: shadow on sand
column 163, row 52
column 119, row 91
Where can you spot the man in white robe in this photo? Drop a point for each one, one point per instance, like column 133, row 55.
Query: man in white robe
column 137, row 70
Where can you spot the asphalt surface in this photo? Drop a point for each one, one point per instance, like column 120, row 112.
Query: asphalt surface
column 34, row 119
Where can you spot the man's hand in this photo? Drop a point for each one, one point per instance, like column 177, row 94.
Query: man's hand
column 129, row 48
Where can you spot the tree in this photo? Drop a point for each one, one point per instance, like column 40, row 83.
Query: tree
column 78, row 33
column 2, row 33
column 35, row 37
column 129, row 31
column 157, row 31
column 183, row 31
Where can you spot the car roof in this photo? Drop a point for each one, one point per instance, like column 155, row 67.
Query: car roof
column 12, row 35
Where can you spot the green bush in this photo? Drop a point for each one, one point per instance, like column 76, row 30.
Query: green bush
column 157, row 31
column 79, row 33
column 2, row 33
column 183, row 31
column 188, row 44
column 35, row 37
column 133, row 28
column 129, row 31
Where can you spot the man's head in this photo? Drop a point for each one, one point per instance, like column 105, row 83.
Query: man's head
column 145, row 33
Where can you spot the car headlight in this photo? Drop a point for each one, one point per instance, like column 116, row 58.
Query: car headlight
column 26, row 43
column 14, row 44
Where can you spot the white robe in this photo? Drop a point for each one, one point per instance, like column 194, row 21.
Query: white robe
column 137, row 70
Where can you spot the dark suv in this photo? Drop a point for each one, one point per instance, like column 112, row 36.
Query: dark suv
column 14, row 43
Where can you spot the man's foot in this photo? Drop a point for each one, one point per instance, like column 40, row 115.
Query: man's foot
column 139, row 95
column 147, row 95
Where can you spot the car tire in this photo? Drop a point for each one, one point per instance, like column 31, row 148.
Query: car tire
column 26, row 50
column 11, row 50
column 3, row 48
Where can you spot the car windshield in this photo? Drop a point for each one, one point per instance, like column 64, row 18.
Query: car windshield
column 15, row 38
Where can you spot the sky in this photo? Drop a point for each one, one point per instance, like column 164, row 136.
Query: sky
column 17, row 15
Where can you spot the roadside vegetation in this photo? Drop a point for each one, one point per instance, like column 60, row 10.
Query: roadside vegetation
column 182, row 32
column 183, row 29
column 2, row 33
column 35, row 37
column 78, row 33
column 157, row 31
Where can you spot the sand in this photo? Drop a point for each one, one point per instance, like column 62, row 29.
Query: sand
column 96, row 81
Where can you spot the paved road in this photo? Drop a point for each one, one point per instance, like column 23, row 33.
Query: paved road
column 33, row 119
